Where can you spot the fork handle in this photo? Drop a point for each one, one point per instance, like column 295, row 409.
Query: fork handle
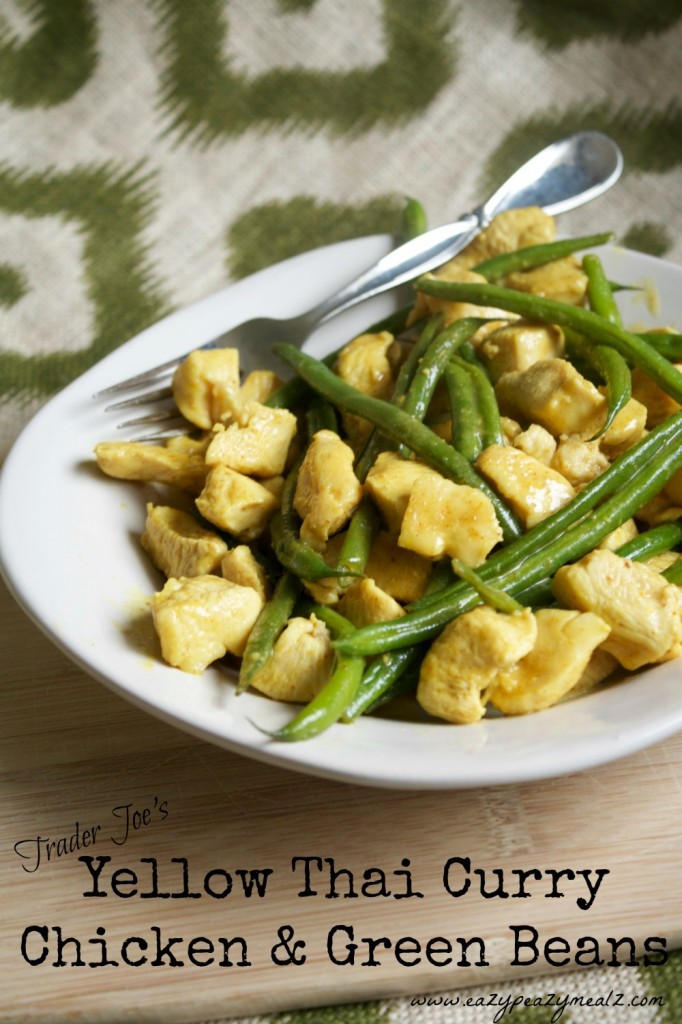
column 403, row 264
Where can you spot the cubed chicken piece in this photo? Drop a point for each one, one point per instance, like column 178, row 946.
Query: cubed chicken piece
column 327, row 489
column 364, row 603
column 643, row 610
column 204, row 383
column 510, row 428
column 532, row 489
column 513, row 229
column 662, row 561
column 659, row 509
column 390, row 482
column 239, row 565
column 189, row 445
column 628, row 427
column 152, row 463
column 236, row 503
column 259, row 385
column 451, row 310
column 579, row 461
column 563, row 280
column 518, row 345
column 202, row 618
column 300, row 663
column 659, row 405
column 536, row 442
column 365, row 364
column 553, row 394
column 400, row 573
column 600, row 666
column 258, row 445
column 465, row 659
column 329, row 589
column 561, row 652
column 445, row 519
column 621, row 535
column 178, row 545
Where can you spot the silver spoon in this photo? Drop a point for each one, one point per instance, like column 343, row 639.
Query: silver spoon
column 564, row 175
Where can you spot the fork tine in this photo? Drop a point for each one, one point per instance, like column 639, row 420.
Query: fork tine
column 147, row 377
column 153, row 417
column 147, row 396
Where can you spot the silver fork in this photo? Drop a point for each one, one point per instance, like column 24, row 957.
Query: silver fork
column 560, row 177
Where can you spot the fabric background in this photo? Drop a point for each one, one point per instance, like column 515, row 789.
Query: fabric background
column 153, row 150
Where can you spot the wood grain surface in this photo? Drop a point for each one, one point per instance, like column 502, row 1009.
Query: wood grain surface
column 77, row 761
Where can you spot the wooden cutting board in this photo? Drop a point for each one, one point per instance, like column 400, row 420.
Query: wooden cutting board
column 159, row 812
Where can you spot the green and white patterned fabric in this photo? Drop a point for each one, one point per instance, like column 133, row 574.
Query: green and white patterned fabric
column 151, row 151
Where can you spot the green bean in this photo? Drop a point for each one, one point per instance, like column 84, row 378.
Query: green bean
column 673, row 573
column 465, row 414
column 490, row 595
column 538, row 308
column 321, row 415
column 268, row 626
column 294, row 392
column 381, row 677
column 486, row 399
column 611, row 367
column 414, row 221
column 520, row 573
column 666, row 344
column 599, row 291
column 433, row 362
column 564, row 518
column 537, row 255
column 332, row 701
column 399, row 426
column 652, row 542
column 357, row 543
column 293, row 553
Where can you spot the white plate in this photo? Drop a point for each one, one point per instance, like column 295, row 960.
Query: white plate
column 69, row 551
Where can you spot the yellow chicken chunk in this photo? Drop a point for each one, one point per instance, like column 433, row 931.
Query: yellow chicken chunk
column 365, row 364
column 390, row 482
column 258, row 444
column 178, row 546
column 447, row 519
column 236, row 503
column 300, row 663
column 327, row 489
column 451, row 310
column 152, row 463
column 259, row 385
column 513, row 229
column 562, row 651
column 659, row 405
column 629, row 425
column 579, row 461
column 552, row 393
column 532, row 489
column 364, row 603
column 563, row 280
column 643, row 610
column 204, row 383
column 537, row 442
column 621, row 535
column 518, row 345
column 202, row 618
column 238, row 565
column 400, row 573
column 466, row 658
